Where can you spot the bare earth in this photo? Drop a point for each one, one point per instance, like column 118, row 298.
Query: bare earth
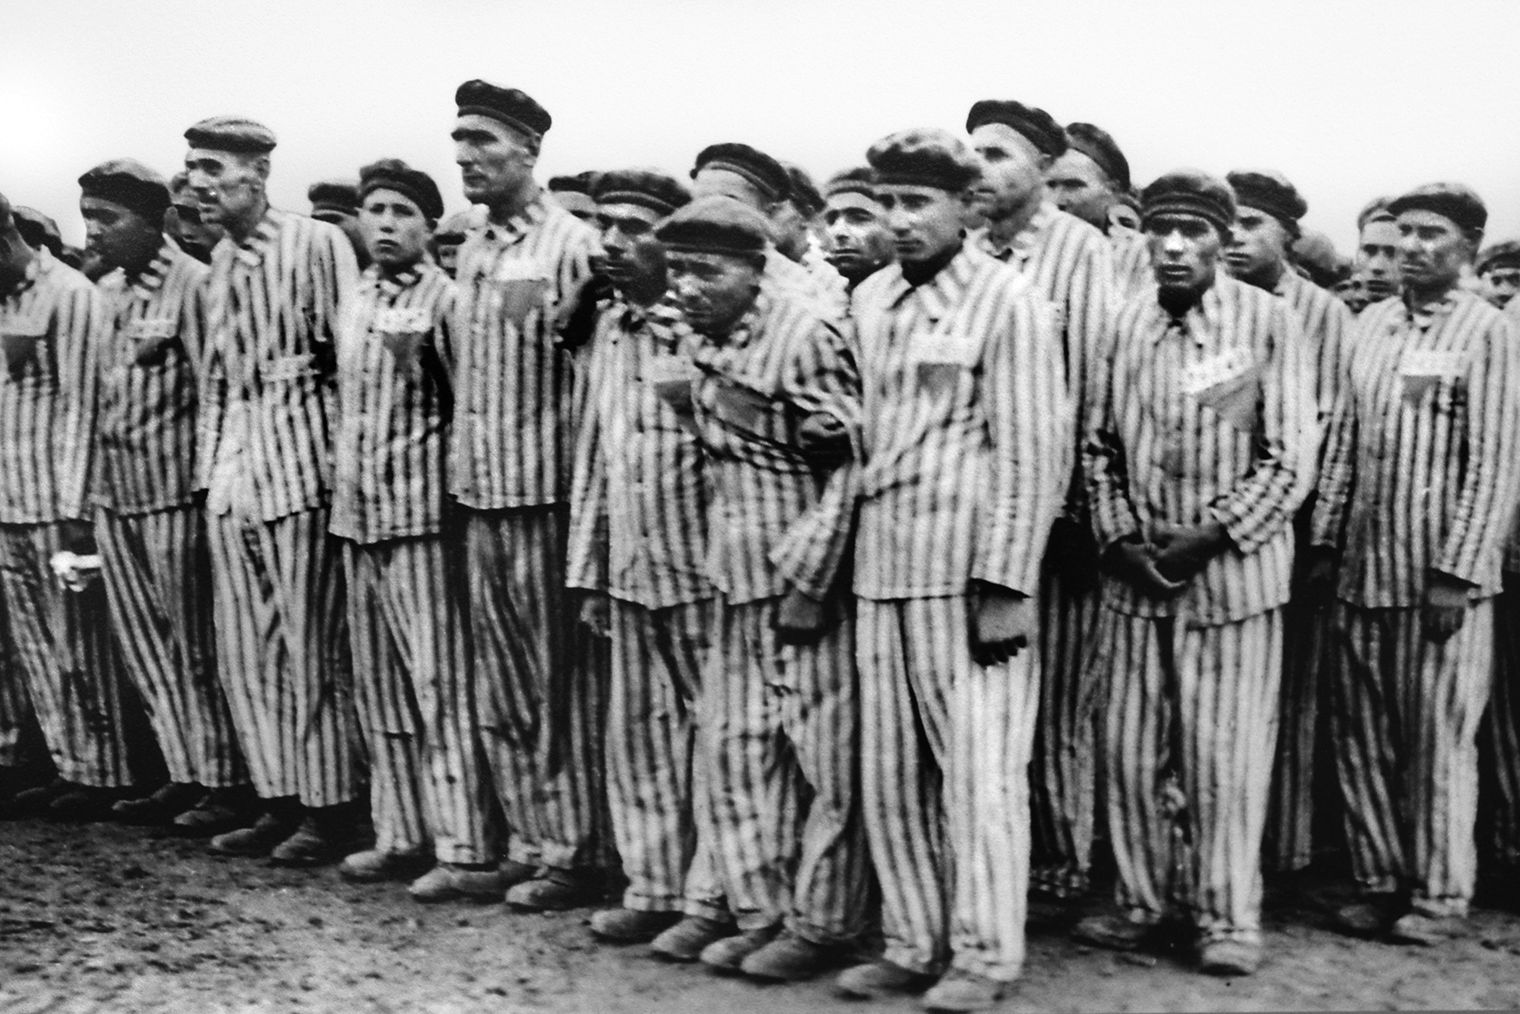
column 105, row 918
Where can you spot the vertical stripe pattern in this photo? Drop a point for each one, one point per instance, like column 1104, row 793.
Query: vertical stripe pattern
column 283, row 652
column 157, row 570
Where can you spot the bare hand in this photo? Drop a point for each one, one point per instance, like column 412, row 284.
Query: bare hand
column 1132, row 563
column 1003, row 622
column 1444, row 608
column 824, row 440
column 596, row 614
column 801, row 619
column 1181, row 551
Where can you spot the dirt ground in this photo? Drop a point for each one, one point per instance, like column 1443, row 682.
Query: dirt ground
column 105, row 918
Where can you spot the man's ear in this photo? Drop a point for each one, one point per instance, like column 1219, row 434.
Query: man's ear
column 7, row 221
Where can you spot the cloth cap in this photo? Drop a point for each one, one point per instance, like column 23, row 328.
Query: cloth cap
column 1375, row 210
column 644, row 187
column 751, row 163
column 1099, row 145
column 580, row 183
column 37, row 230
column 1314, row 252
column 334, row 196
column 926, row 157
column 1269, row 191
column 1504, row 254
column 1034, row 123
column 805, row 193
column 131, row 184
column 1189, row 192
column 855, row 180
column 716, row 224
column 236, row 134
column 413, row 184
column 1456, row 201
column 505, row 105
column 452, row 230
column 179, row 183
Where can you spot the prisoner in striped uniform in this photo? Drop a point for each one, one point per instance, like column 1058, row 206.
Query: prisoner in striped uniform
column 778, row 694
column 1088, row 177
column 510, row 459
column 750, row 176
column 637, row 552
column 1267, row 210
column 1199, row 447
column 52, row 325
column 150, row 530
column 859, row 244
column 1418, row 495
column 966, row 435
column 264, row 456
column 428, row 795
column 1069, row 263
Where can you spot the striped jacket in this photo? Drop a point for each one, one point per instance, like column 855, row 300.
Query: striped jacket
column 395, row 400
column 639, row 500
column 818, row 284
column 1420, row 471
column 51, row 329
column 1210, row 417
column 773, row 520
column 269, row 386
column 149, row 364
column 1132, row 263
column 513, row 441
column 1325, row 321
column 966, row 430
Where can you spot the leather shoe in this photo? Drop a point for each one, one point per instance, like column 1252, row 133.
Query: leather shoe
column 375, row 865
column 448, row 881
column 252, row 842
column 630, row 926
column 728, row 954
column 686, row 940
column 83, row 802
column 1229, row 957
column 1369, row 916
column 790, row 958
column 1116, row 932
column 223, row 809
column 324, row 835
column 158, row 808
column 964, row 991
column 555, row 891
column 35, row 800
column 1428, row 930
column 880, row 979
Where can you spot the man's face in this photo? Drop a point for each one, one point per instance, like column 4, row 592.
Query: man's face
column 631, row 256
column 1377, row 259
column 448, row 257
column 183, row 221
column 1352, row 292
column 1258, row 244
column 1079, row 187
column 713, row 289
column 394, row 230
column 1184, row 251
column 924, row 222
column 495, row 162
column 790, row 227
column 1501, row 283
column 1122, row 219
column 1432, row 249
column 120, row 237
column 857, row 238
column 1014, row 172
column 228, row 186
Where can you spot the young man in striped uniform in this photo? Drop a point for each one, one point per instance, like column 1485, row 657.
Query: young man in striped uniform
column 966, row 435
column 752, row 177
column 1416, row 501
column 638, row 520
column 778, row 719
column 509, row 467
column 1199, row 446
column 1377, row 250
column 1267, row 210
column 428, row 796
column 149, row 524
column 53, row 324
column 264, row 454
column 858, row 243
column 1069, row 263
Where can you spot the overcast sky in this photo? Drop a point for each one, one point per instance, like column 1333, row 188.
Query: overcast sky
column 1349, row 98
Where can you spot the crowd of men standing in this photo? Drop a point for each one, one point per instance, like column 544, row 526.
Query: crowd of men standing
column 806, row 562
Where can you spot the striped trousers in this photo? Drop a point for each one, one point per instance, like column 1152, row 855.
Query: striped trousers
column 1225, row 681
column 538, row 688
column 19, row 738
column 1063, row 773
column 412, row 695
column 779, row 727
column 157, row 571
column 1501, row 732
column 283, row 654
column 661, row 818
column 1405, row 713
column 64, row 649
column 1289, row 842
column 945, row 747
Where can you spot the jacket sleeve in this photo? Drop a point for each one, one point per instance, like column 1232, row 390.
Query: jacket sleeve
column 1103, row 458
column 82, row 329
column 586, row 566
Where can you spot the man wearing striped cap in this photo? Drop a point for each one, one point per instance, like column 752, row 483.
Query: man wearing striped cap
column 1499, row 268
column 511, row 450
column 1069, row 263
column 264, row 453
column 1199, row 446
column 778, row 720
column 1377, row 250
column 53, row 325
column 638, row 542
column 966, row 451
column 1267, row 210
column 429, row 797
column 149, row 524
column 858, row 243
column 1416, row 500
